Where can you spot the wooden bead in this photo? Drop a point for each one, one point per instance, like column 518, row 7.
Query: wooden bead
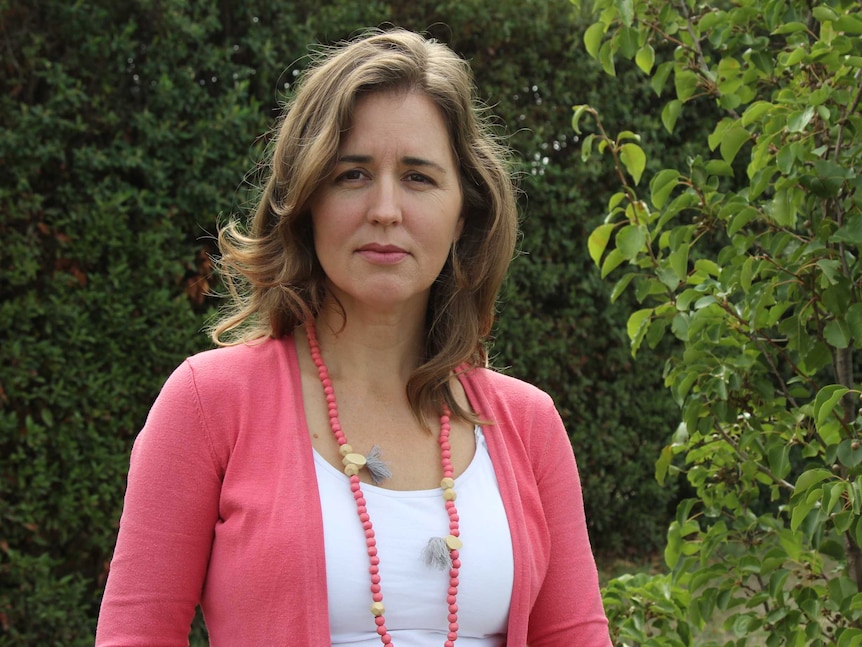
column 377, row 608
column 345, row 449
column 449, row 494
column 453, row 542
column 447, row 483
column 351, row 470
column 356, row 459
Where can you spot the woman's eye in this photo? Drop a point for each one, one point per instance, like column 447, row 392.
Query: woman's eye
column 351, row 175
column 418, row 177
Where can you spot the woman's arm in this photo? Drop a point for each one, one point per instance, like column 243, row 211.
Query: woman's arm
column 568, row 610
column 166, row 530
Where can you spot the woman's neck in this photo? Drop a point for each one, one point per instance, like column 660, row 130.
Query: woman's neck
column 378, row 350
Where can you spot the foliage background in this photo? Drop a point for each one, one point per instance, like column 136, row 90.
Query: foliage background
column 127, row 130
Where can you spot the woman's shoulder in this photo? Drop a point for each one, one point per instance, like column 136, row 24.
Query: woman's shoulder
column 504, row 391
column 257, row 354
column 240, row 368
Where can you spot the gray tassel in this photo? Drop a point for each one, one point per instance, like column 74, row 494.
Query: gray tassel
column 377, row 469
column 436, row 554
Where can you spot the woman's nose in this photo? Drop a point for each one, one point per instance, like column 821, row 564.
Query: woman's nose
column 385, row 202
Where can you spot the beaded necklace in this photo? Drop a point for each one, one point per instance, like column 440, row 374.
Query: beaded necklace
column 353, row 462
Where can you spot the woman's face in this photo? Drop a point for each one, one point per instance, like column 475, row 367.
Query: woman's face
column 385, row 219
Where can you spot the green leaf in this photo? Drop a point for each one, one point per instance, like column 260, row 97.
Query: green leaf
column 811, row 477
column 851, row 232
column 742, row 218
column 598, row 241
column 587, row 147
column 679, row 262
column 661, row 186
column 638, row 321
column 633, row 158
column 685, row 82
column 670, row 114
column 826, row 400
column 837, row 333
column 606, row 58
column 823, row 14
column 576, row 117
column 663, row 463
column 779, row 459
column 849, row 24
column 790, row 28
column 797, row 121
column 659, row 79
column 611, row 262
column 854, row 322
column 593, row 38
column 621, row 285
column 732, row 141
column 800, row 511
column 630, row 240
column 645, row 58
column 850, row 452
column 755, row 111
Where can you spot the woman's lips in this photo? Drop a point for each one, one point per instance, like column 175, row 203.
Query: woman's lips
column 382, row 254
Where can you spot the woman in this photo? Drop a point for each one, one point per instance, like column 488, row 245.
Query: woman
column 346, row 471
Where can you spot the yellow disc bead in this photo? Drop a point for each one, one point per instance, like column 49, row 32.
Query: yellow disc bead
column 453, row 542
column 355, row 459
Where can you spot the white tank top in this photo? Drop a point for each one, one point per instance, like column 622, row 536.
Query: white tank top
column 414, row 594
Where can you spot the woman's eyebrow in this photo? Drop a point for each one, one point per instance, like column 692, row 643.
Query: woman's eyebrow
column 407, row 161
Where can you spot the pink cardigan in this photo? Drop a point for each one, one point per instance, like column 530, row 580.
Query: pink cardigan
column 222, row 510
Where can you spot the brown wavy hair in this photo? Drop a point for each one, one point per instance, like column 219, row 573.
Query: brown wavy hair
column 270, row 267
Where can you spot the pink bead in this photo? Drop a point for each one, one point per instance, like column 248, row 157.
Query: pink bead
column 362, row 512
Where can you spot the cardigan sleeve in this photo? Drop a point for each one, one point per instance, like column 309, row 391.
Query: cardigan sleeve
column 166, row 530
column 568, row 610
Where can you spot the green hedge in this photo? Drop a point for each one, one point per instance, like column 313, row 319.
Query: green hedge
column 127, row 130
